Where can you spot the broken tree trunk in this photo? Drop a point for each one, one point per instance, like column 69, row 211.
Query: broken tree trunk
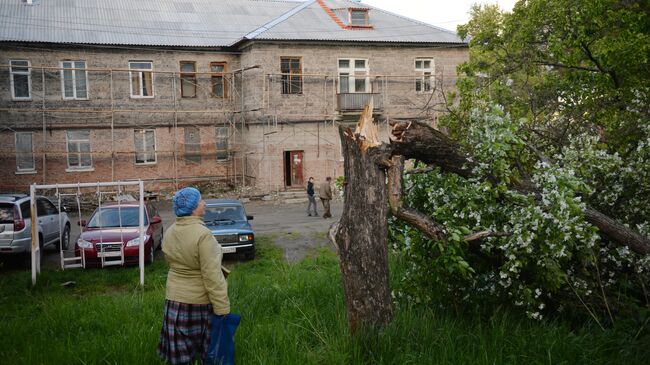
column 419, row 141
column 362, row 232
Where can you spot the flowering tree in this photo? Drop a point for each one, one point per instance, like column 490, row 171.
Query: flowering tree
column 537, row 195
column 553, row 121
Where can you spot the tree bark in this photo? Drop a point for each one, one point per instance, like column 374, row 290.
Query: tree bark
column 419, row 141
column 362, row 232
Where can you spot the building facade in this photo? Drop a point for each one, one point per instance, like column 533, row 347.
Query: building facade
column 249, row 93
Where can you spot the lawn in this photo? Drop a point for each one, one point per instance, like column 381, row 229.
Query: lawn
column 291, row 314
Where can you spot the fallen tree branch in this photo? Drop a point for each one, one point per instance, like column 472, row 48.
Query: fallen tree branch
column 411, row 216
column 484, row 234
column 417, row 140
column 424, row 170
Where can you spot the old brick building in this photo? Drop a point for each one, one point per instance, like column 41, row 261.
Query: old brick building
column 177, row 91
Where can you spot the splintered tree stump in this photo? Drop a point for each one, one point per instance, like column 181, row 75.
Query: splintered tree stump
column 362, row 232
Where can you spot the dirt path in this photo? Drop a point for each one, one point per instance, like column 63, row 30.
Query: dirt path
column 291, row 228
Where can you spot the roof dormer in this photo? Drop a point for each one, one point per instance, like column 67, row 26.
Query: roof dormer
column 353, row 17
column 358, row 17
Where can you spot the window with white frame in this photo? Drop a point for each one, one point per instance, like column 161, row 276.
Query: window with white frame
column 20, row 79
column 145, row 146
column 424, row 69
column 353, row 75
column 141, row 78
column 25, row 152
column 79, row 155
column 222, row 136
column 74, row 80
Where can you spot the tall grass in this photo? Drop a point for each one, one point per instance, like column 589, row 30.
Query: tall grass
column 291, row 314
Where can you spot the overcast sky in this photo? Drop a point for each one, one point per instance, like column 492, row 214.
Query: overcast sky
column 442, row 13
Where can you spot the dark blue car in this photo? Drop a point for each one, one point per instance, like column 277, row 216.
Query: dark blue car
column 227, row 220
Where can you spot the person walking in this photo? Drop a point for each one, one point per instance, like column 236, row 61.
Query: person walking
column 312, row 197
column 196, row 285
column 325, row 193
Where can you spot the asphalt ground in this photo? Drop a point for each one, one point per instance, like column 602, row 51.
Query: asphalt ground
column 287, row 225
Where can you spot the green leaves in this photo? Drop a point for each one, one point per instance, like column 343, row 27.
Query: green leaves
column 556, row 93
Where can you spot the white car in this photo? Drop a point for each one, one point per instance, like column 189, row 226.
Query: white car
column 16, row 226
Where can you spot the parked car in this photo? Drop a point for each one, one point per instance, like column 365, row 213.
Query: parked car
column 227, row 220
column 16, row 225
column 114, row 227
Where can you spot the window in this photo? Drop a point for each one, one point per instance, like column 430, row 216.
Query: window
column 26, row 210
column 20, row 79
column 188, row 79
column 359, row 17
column 353, row 76
column 424, row 81
column 79, row 156
column 291, row 70
column 73, row 79
column 45, row 207
column 25, row 151
column 141, row 79
column 218, row 79
column 145, row 146
column 192, row 144
column 222, row 135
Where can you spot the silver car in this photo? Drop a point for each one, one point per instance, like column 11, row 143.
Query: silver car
column 16, row 225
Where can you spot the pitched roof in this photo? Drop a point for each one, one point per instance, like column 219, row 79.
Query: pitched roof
column 198, row 23
column 313, row 22
column 202, row 23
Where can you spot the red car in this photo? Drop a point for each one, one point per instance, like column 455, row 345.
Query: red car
column 113, row 232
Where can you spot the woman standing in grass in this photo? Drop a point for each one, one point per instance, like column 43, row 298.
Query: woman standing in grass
column 196, row 286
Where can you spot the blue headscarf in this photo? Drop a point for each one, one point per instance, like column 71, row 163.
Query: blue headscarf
column 185, row 201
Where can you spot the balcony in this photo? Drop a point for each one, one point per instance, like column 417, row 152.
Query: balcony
column 355, row 102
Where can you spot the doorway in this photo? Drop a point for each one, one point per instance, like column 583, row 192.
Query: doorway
column 293, row 176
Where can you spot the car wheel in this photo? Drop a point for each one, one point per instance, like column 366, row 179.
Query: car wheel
column 152, row 254
column 250, row 255
column 65, row 238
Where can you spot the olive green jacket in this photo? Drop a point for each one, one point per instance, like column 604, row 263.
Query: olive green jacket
column 194, row 258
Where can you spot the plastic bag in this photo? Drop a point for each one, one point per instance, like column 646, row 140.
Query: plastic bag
column 222, row 339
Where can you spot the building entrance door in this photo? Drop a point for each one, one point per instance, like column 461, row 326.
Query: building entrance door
column 293, row 176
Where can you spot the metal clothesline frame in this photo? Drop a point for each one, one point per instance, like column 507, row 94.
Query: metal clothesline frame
column 36, row 250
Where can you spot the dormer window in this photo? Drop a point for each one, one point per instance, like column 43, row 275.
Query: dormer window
column 359, row 17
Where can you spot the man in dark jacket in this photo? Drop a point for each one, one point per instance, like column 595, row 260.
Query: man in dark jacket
column 325, row 194
column 311, row 196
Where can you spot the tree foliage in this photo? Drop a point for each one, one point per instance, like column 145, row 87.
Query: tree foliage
column 555, row 93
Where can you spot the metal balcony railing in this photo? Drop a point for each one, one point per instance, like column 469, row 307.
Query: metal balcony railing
column 357, row 101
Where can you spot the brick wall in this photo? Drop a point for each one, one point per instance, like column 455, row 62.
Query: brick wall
column 121, row 164
column 391, row 69
column 272, row 123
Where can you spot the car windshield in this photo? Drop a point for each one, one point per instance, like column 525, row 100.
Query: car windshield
column 6, row 213
column 110, row 217
column 224, row 213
